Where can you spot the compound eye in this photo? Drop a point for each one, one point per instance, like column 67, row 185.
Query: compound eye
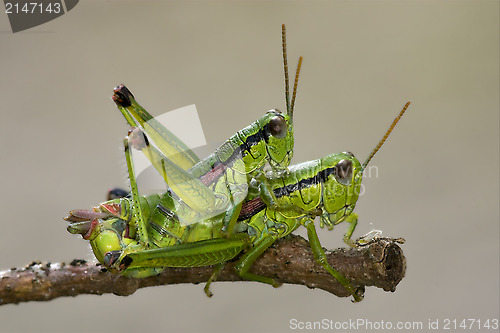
column 278, row 127
column 343, row 172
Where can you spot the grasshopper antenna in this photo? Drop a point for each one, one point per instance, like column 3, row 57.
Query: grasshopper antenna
column 289, row 107
column 374, row 151
column 295, row 85
column 285, row 68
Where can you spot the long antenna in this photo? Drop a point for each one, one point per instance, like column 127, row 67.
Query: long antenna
column 285, row 67
column 295, row 85
column 374, row 151
column 289, row 107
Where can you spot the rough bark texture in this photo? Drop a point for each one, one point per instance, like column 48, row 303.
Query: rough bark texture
column 379, row 263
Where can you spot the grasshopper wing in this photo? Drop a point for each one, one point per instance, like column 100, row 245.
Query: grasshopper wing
column 219, row 188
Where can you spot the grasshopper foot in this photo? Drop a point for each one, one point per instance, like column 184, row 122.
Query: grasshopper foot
column 358, row 294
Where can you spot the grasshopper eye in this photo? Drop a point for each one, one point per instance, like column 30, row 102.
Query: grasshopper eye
column 348, row 153
column 278, row 127
column 343, row 172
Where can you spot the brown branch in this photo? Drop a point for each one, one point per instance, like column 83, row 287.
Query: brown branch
column 380, row 263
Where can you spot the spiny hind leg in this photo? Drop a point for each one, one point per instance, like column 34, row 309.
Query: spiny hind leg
column 196, row 254
column 136, row 207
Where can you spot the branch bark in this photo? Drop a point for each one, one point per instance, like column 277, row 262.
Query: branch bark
column 379, row 263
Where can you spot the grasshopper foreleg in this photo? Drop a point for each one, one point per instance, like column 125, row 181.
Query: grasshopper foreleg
column 352, row 219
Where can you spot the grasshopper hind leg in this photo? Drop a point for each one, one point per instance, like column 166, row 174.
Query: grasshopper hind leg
column 113, row 259
column 136, row 206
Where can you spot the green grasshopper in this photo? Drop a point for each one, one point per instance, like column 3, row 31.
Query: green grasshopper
column 328, row 188
column 212, row 188
column 123, row 241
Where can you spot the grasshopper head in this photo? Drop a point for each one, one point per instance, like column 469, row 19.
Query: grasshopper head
column 342, row 180
column 277, row 130
column 342, row 184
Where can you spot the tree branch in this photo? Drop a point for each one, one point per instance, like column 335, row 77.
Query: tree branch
column 379, row 263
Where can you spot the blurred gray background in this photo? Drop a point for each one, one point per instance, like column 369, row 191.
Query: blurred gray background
column 438, row 174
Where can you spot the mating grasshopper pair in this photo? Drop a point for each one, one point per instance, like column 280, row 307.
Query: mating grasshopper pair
column 224, row 205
